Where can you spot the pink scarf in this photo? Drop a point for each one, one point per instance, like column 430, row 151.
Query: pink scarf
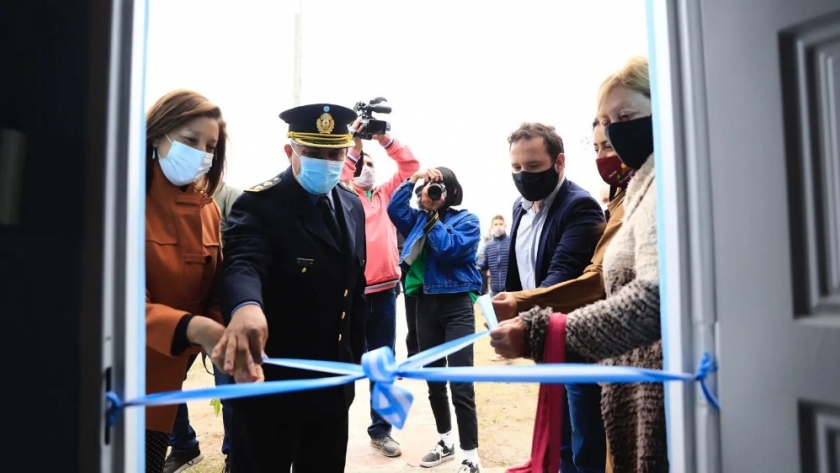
column 548, row 425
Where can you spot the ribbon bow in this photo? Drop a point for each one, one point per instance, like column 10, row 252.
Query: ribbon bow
column 392, row 402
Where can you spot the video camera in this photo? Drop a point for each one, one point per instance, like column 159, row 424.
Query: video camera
column 371, row 126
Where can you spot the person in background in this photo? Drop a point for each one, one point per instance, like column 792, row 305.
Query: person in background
column 400, row 243
column 225, row 197
column 556, row 225
column 439, row 253
column 185, row 159
column 184, row 446
column 412, row 347
column 382, row 270
column 496, row 254
column 623, row 329
column 494, row 262
column 295, row 261
column 479, row 261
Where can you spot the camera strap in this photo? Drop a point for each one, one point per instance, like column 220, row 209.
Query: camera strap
column 431, row 221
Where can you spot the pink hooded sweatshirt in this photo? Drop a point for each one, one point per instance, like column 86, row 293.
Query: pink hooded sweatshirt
column 382, row 271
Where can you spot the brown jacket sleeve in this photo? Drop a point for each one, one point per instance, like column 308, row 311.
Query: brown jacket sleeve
column 589, row 287
column 161, row 322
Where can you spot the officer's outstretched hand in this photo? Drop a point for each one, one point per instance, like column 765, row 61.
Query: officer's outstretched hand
column 240, row 350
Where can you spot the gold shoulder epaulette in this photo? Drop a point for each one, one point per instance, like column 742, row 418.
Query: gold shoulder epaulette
column 265, row 185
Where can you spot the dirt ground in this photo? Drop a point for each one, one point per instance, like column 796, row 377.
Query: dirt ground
column 505, row 415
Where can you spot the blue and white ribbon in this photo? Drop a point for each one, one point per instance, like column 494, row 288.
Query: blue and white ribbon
column 393, row 402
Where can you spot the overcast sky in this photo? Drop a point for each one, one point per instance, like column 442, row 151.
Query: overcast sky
column 460, row 75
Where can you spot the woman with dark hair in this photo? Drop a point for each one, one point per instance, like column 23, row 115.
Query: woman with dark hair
column 439, row 256
column 185, row 159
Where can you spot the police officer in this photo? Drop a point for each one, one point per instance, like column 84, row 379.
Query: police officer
column 294, row 270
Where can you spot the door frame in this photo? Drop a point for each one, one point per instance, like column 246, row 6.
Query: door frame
column 689, row 324
column 685, row 230
column 115, row 232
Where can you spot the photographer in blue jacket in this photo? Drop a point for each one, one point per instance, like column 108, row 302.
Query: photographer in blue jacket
column 439, row 256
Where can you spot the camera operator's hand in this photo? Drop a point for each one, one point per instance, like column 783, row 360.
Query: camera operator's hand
column 428, row 175
column 382, row 139
column 356, row 127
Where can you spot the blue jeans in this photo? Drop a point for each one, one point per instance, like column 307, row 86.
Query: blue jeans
column 182, row 439
column 381, row 331
column 584, row 446
column 222, row 378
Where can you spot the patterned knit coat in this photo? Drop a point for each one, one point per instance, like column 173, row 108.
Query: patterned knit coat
column 623, row 329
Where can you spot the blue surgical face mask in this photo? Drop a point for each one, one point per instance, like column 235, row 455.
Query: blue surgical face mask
column 184, row 165
column 319, row 176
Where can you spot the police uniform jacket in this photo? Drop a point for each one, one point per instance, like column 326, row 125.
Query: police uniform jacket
column 280, row 254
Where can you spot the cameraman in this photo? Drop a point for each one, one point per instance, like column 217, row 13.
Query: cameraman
column 439, row 254
column 382, row 271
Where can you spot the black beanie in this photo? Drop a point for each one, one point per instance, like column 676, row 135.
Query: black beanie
column 454, row 192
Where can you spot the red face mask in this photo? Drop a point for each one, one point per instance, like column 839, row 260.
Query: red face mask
column 613, row 171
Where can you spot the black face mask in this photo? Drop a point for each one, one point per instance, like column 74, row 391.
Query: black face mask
column 632, row 140
column 536, row 186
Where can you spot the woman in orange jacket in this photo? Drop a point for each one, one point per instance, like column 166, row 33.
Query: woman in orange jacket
column 185, row 158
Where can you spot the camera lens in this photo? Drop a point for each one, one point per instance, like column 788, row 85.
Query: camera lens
column 435, row 191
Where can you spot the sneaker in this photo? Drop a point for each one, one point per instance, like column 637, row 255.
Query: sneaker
column 387, row 446
column 468, row 467
column 181, row 461
column 441, row 453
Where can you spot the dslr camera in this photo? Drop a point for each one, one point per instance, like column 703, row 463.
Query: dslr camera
column 371, row 126
column 436, row 190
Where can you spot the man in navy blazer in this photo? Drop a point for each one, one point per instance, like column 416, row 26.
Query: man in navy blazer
column 556, row 225
column 565, row 245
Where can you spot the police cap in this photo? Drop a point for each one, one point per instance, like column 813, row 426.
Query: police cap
column 320, row 125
